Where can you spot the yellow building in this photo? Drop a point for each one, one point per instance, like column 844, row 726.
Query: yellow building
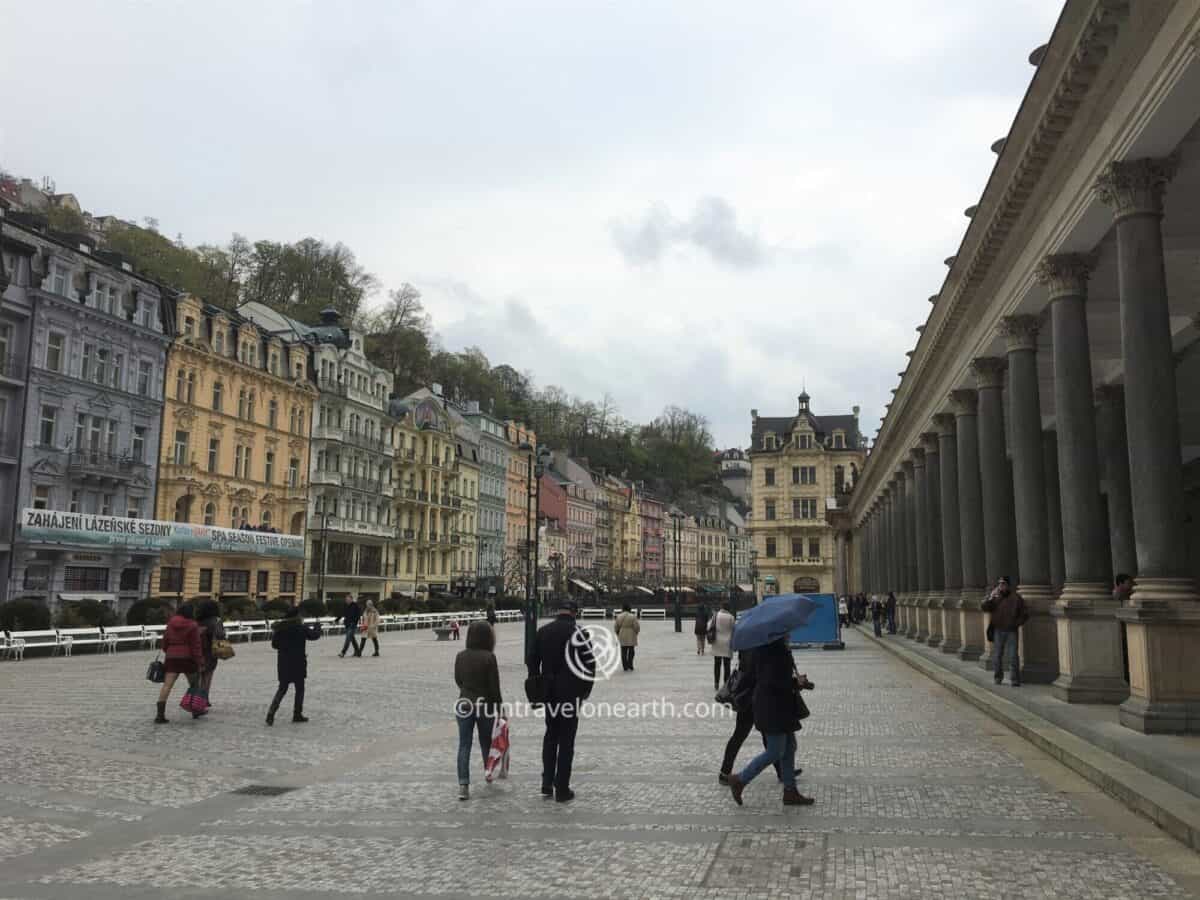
column 680, row 542
column 467, row 474
column 799, row 463
column 712, row 539
column 428, row 501
column 234, row 455
column 519, row 500
column 624, row 533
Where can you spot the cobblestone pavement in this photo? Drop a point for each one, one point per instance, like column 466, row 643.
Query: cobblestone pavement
column 918, row 795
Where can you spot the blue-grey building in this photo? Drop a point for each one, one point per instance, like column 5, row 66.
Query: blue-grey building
column 493, row 471
column 83, row 342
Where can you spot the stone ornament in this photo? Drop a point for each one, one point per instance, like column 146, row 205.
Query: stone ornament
column 944, row 423
column 1066, row 274
column 929, row 441
column 1020, row 332
column 989, row 371
column 1135, row 187
column 918, row 457
column 965, row 402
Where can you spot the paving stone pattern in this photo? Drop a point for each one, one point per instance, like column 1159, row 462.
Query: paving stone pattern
column 917, row 794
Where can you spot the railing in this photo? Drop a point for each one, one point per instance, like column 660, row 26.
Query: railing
column 107, row 465
column 332, row 386
column 12, row 367
column 410, row 493
column 358, row 482
column 379, row 445
column 435, row 498
column 410, row 454
column 326, row 476
column 352, row 526
column 410, row 534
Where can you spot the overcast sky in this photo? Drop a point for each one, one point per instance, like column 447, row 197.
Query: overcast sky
column 675, row 201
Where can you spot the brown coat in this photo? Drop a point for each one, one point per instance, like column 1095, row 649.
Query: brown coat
column 1008, row 610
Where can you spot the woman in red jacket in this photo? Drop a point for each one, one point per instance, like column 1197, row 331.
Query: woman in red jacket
column 184, row 655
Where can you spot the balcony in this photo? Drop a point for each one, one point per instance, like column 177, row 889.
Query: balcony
column 456, row 502
column 811, row 562
column 435, row 498
column 372, row 485
column 409, row 455
column 456, row 539
column 331, row 386
column 409, row 534
column 318, row 523
column 13, row 369
column 105, row 466
column 326, row 476
column 366, row 442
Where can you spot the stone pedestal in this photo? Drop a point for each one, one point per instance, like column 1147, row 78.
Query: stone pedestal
column 951, row 623
column 922, row 635
column 1162, row 630
column 972, row 624
column 1039, row 636
column 1089, row 646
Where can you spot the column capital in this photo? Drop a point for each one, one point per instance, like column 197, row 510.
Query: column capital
column 918, row 457
column 944, row 423
column 1066, row 274
column 965, row 401
column 906, row 469
column 1135, row 186
column 1110, row 394
column 929, row 442
column 989, row 371
column 1020, row 332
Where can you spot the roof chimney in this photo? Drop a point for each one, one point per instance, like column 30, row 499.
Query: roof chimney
column 855, row 410
column 330, row 316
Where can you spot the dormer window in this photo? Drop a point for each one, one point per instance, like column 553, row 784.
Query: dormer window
column 804, row 441
column 189, row 326
column 839, row 441
column 769, row 442
column 219, row 341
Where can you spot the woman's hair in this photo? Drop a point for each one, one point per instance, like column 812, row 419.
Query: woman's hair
column 625, row 608
column 186, row 610
column 370, row 604
column 209, row 609
column 480, row 636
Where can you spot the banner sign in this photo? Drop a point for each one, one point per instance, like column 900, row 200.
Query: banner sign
column 53, row 526
column 823, row 626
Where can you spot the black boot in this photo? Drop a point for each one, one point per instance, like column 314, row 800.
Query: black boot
column 162, row 713
column 298, row 715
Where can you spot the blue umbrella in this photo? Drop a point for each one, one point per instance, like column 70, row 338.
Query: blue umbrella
column 771, row 620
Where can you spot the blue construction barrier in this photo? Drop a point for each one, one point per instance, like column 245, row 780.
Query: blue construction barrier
column 823, row 628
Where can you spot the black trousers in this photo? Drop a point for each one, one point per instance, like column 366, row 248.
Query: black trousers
column 558, row 748
column 741, row 730
column 627, row 658
column 298, row 703
column 718, row 661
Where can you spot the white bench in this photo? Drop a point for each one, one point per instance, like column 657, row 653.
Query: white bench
column 235, row 630
column 69, row 638
column 124, row 634
column 593, row 612
column 652, row 613
column 11, row 647
column 259, row 626
column 154, row 635
column 24, row 640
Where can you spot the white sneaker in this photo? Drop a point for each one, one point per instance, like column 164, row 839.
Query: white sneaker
column 464, row 791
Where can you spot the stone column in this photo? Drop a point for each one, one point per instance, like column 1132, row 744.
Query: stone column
column 1053, row 510
column 1114, row 469
column 839, row 562
column 1089, row 639
column 900, row 551
column 995, row 476
column 933, row 537
column 951, row 537
column 1039, row 638
column 893, row 580
column 1163, row 619
column 910, row 540
column 970, row 512
column 921, row 485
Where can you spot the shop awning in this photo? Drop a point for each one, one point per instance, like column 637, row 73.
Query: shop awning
column 644, row 590
column 582, row 585
column 679, row 588
column 712, row 589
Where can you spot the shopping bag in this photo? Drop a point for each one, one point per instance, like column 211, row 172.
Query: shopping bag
column 195, row 701
column 497, row 761
column 157, row 670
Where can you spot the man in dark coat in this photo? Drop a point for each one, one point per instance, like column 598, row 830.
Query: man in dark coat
column 350, row 616
column 1008, row 615
column 290, row 638
column 889, row 607
column 701, row 628
column 562, row 654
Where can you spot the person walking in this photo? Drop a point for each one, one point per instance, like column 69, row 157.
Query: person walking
column 350, row 616
column 777, row 716
column 183, row 655
column 562, row 655
column 208, row 617
column 701, row 628
column 744, row 724
column 627, row 626
column 889, row 607
column 290, row 641
column 478, row 680
column 721, row 630
column 491, row 615
column 877, row 615
column 1008, row 615
column 371, row 620
column 843, row 609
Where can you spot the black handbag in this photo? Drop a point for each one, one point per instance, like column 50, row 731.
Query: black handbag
column 802, row 712
column 991, row 633
column 156, row 672
column 727, row 694
column 535, row 689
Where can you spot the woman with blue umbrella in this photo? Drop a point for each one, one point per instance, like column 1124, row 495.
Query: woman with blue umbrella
column 777, row 686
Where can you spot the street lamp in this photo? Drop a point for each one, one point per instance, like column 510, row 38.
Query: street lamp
column 754, row 572
column 324, row 560
column 676, row 515
column 535, row 466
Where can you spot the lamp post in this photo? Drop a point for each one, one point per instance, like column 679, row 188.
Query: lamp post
column 324, row 560
column 675, row 517
column 754, row 573
column 535, row 465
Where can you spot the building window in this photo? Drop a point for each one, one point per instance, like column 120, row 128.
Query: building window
column 808, row 508
column 139, row 443
column 269, row 467
column 181, row 448
column 300, row 421
column 133, row 508
column 170, row 579
column 814, row 548
column 106, row 502
column 839, row 441
column 237, row 461
column 219, row 341
column 796, row 508
column 206, row 581
column 145, row 370
column 287, row 582
column 770, row 510
column 235, row 581
column 54, row 351
column 75, row 499
column 6, row 333
column 273, row 412
column 769, row 477
column 293, row 472
column 250, row 404
column 131, row 579
column 770, row 547
column 60, row 279
column 180, row 380
column 210, row 514
column 214, row 454
column 266, row 519
column 263, row 581
column 47, row 427
column 37, row 578
column 85, row 578
column 218, row 395
column 242, row 403
column 189, row 326
column 191, row 387
column 804, row 441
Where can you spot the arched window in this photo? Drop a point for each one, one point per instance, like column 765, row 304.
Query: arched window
column 183, row 508
column 266, row 518
column 210, row 514
column 219, row 341
column 191, row 387
column 218, row 395
column 233, row 517
column 806, row 585
column 272, row 412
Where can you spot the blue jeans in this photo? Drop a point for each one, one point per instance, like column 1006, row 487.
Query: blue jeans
column 466, row 724
column 781, row 751
column 878, row 629
column 351, row 642
column 891, row 617
column 1007, row 640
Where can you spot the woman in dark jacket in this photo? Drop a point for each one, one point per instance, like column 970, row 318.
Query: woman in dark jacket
column 701, row 628
column 183, row 655
column 776, row 715
column 290, row 640
column 745, row 719
column 478, row 680
column 211, row 629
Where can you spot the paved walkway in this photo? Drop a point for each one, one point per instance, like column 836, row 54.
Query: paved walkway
column 918, row 795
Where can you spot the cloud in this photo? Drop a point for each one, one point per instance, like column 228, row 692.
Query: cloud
column 712, row 228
